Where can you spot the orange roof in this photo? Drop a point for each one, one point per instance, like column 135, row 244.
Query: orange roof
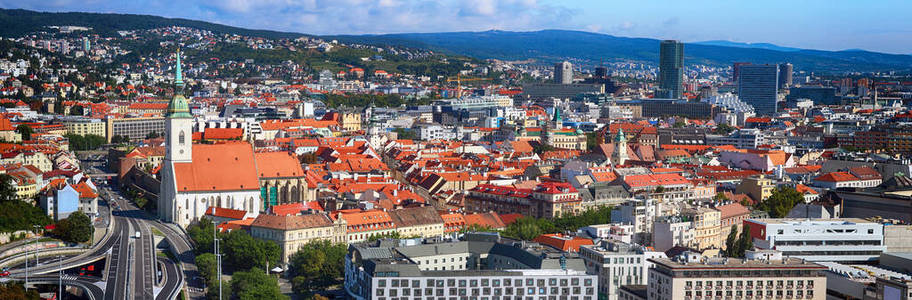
column 521, row 146
column 732, row 210
column 85, row 191
column 226, row 213
column 223, row 133
column 836, row 177
column 563, row 242
column 218, row 167
column 488, row 219
column 510, row 218
column 278, row 164
column 805, row 189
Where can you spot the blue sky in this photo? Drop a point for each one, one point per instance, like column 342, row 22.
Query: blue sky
column 877, row 25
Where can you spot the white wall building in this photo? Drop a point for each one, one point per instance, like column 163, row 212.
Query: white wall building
column 840, row 240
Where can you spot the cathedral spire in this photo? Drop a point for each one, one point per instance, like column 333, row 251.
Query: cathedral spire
column 178, row 106
column 178, row 74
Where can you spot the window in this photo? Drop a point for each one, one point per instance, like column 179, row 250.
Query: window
column 180, row 138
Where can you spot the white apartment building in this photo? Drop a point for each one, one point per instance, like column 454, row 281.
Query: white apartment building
column 672, row 231
column 616, row 264
column 640, row 213
column 840, row 240
column 722, row 278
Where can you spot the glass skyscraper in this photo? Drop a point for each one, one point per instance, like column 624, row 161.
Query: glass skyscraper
column 757, row 86
column 671, row 69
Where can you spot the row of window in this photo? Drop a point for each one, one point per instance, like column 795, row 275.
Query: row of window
column 750, row 293
column 709, row 283
column 483, row 282
column 476, row 292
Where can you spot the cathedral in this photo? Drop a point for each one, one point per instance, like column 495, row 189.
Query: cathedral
column 195, row 177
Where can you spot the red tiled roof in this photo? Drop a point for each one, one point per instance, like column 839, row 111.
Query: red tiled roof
column 563, row 242
column 226, row 213
column 836, row 177
column 218, row 167
column 488, row 219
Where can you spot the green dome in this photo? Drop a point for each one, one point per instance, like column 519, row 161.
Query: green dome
column 178, row 107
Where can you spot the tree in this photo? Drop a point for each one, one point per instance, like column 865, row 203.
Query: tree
column 77, row 228
column 26, row 131
column 745, row 241
column 7, row 188
column 317, row 266
column 243, row 252
column 201, row 234
column 731, row 243
column 206, row 264
column 153, row 135
column 781, row 201
column 255, row 284
column 724, row 129
column 119, row 139
column 19, row 215
column 15, row 290
column 592, row 140
column 86, row 142
column 77, row 110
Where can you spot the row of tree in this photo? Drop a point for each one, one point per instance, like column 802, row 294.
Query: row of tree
column 246, row 258
column 528, row 228
column 85, row 142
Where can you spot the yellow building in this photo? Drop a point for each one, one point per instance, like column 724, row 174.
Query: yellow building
column 707, row 224
column 291, row 232
column 757, row 187
column 351, row 121
column 85, row 127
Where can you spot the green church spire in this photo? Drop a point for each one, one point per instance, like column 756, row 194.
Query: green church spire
column 178, row 74
column 178, row 107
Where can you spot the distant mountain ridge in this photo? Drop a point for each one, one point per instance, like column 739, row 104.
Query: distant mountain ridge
column 767, row 46
column 18, row 22
column 544, row 45
column 554, row 45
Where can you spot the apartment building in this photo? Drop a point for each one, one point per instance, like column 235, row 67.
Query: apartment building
column 706, row 225
column 417, row 221
column 782, row 278
column 134, row 128
column 840, row 240
column 617, row 264
column 480, row 266
column 291, row 232
column 85, row 126
column 546, row 200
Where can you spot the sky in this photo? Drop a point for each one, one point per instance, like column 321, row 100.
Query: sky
column 878, row 25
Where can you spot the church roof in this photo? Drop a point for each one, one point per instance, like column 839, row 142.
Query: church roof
column 218, row 167
column 278, row 164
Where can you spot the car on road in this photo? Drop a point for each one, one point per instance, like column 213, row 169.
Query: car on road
column 4, row 273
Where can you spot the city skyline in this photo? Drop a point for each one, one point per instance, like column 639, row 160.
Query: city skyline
column 819, row 24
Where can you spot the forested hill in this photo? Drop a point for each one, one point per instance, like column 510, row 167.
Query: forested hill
column 18, row 22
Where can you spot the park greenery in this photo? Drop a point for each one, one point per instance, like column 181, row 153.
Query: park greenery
column 76, row 228
column 528, row 228
column 317, row 266
column 242, row 256
column 780, row 202
column 85, row 142
column 19, row 215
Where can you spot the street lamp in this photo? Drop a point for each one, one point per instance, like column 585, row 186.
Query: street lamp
column 37, row 249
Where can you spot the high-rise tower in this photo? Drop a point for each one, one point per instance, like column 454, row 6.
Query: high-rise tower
column 671, row 69
column 563, row 72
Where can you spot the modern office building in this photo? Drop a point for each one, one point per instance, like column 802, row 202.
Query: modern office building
column 671, row 69
column 134, row 128
column 839, row 240
column 563, row 72
column 723, row 278
column 480, row 266
column 785, row 75
column 616, row 264
column 757, row 86
column 736, row 70
column 818, row 94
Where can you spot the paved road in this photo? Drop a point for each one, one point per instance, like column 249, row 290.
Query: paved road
column 88, row 284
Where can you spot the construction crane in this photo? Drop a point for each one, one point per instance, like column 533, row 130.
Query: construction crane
column 459, row 79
